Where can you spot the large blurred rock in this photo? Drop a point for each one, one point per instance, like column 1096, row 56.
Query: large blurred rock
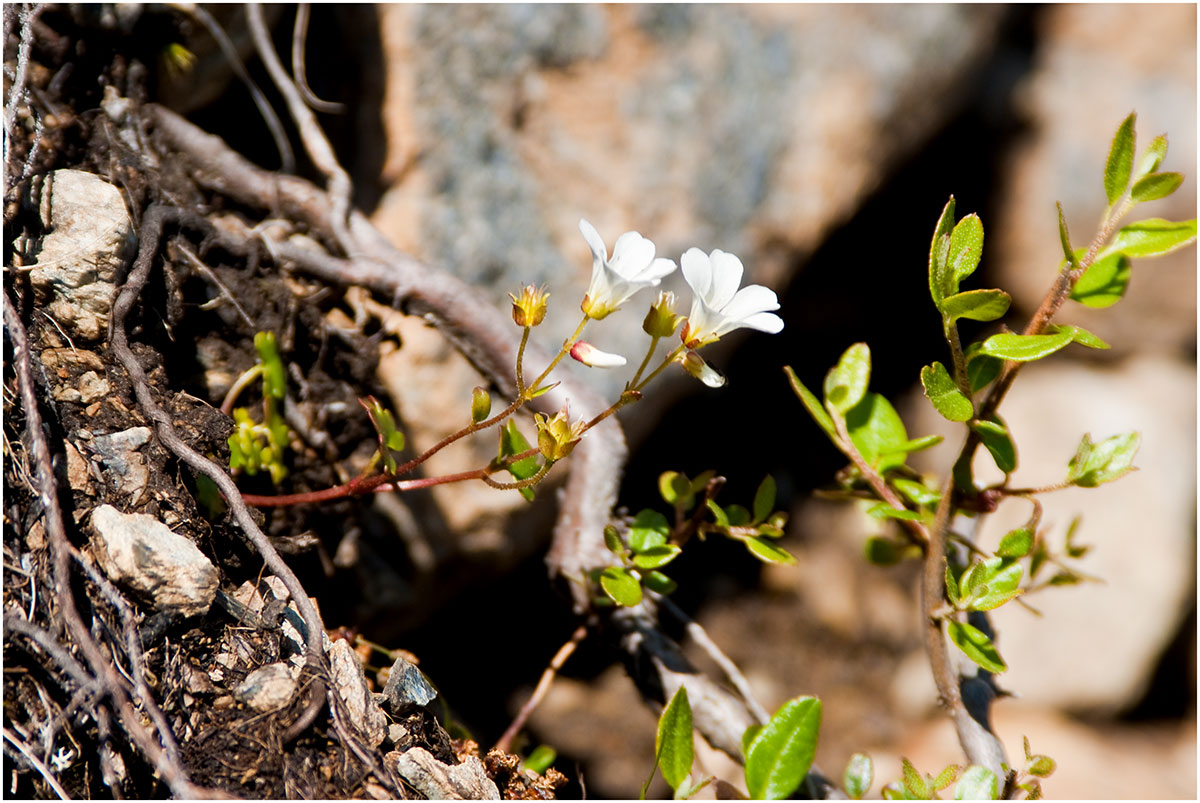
column 1097, row 645
column 750, row 128
column 1095, row 64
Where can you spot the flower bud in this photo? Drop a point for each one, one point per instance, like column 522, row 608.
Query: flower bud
column 557, row 436
column 695, row 365
column 481, row 405
column 530, row 308
column 661, row 320
column 591, row 356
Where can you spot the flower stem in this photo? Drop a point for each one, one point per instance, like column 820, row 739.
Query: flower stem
column 670, row 358
column 520, row 358
column 645, row 361
column 566, row 347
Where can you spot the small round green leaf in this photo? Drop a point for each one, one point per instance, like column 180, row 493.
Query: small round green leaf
column 767, row 552
column 1152, row 237
column 944, row 395
column 846, row 383
column 859, row 775
column 1102, row 462
column 612, row 540
column 1104, row 282
column 1041, row 766
column 977, row 783
column 649, row 530
column 877, row 431
column 976, row 646
column 1016, row 544
column 966, row 247
column 621, row 586
column 781, row 753
column 657, row 581
column 1155, row 186
column 656, row 556
column 976, row 305
column 996, row 440
column 1024, row 348
column 938, row 251
column 764, row 498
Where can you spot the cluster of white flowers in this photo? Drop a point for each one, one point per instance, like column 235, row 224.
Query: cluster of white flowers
column 718, row 306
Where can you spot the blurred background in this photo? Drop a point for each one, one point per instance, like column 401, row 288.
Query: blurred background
column 819, row 143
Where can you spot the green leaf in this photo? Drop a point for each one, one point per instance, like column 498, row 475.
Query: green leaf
column 656, row 557
column 914, row 783
column 877, row 432
column 1102, row 462
column 977, row 783
column 1024, row 348
column 846, row 383
column 812, row 404
column 916, row 492
column 859, row 775
column 1104, row 282
column 764, row 498
column 673, row 741
column 976, row 305
column 1155, row 186
column 946, row 777
column 966, row 247
column 939, row 249
column 621, row 586
column 1152, row 237
column 749, row 735
column 657, row 581
column 1083, row 337
column 738, row 515
column 945, row 396
column 513, row 442
column 976, row 645
column 274, row 375
column 1001, row 576
column 675, row 489
column 1016, row 543
column 1120, row 160
column 883, row 510
column 1065, row 238
column 540, row 760
column 612, row 540
column 995, row 438
column 981, row 368
column 781, row 753
column 881, row 551
column 719, row 514
column 952, row 587
column 1041, row 766
column 649, row 530
column 767, row 552
column 1152, row 157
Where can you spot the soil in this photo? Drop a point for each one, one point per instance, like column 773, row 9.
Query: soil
column 192, row 331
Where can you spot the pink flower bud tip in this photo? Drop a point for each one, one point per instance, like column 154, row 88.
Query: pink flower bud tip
column 589, row 355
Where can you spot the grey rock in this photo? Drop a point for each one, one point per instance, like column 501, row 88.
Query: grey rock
column 267, row 688
column 166, row 569
column 126, row 468
column 346, row 671
column 89, row 239
column 437, row 781
column 407, row 688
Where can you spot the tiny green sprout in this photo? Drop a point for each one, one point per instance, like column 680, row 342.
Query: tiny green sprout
column 391, row 439
column 540, row 760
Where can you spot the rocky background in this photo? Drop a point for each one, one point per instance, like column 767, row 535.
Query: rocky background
column 818, row 142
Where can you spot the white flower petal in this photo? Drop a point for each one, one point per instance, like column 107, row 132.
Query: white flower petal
column 594, row 240
column 591, row 356
column 631, row 255
column 726, row 277
column 750, row 300
column 697, row 271
column 767, row 322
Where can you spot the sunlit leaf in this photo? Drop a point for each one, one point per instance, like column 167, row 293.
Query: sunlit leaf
column 1096, row 463
column 648, row 530
column 995, row 438
column 966, row 247
column 768, row 552
column 1155, row 186
column 976, row 305
column 1152, row 157
column 656, row 557
column 621, row 586
column 877, row 432
column 1016, row 543
column 673, row 741
column 657, row 581
column 939, row 250
column 1119, row 165
column 781, row 753
column 1104, row 282
column 540, row 760
column 846, row 383
column 976, row 645
column 1152, row 237
column 945, row 396
column 859, row 775
column 977, row 783
column 764, row 498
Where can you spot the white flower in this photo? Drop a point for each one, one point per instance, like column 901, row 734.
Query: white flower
column 615, row 280
column 591, row 356
column 718, row 307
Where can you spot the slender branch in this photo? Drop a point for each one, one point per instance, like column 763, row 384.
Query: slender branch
column 299, row 35
column 543, row 685
column 36, row 763
column 315, row 143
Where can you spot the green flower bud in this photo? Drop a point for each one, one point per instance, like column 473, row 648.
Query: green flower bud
column 661, row 320
column 530, row 308
column 481, row 405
